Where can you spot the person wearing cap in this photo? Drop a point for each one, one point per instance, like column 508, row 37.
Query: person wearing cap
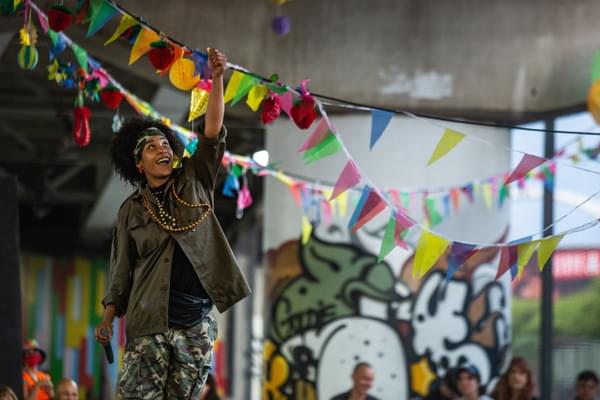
column 170, row 260
column 36, row 384
column 447, row 389
column 468, row 383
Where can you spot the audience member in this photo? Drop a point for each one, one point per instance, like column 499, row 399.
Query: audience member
column 447, row 389
column 67, row 389
column 516, row 383
column 36, row 384
column 468, row 383
column 586, row 387
column 6, row 393
column 362, row 380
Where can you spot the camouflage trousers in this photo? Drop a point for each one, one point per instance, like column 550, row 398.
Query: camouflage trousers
column 170, row 365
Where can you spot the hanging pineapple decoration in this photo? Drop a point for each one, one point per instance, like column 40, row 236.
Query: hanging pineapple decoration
column 27, row 57
column 199, row 99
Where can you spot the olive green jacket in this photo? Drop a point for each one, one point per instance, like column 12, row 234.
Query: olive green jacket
column 140, row 263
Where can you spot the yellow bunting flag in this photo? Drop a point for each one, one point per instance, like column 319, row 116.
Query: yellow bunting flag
column 306, row 229
column 342, row 204
column 448, row 141
column 429, row 249
column 126, row 22
column 283, row 178
column 198, row 103
column 142, row 44
column 182, row 75
column 546, row 248
column 256, row 96
column 524, row 253
column 487, row 195
column 232, row 85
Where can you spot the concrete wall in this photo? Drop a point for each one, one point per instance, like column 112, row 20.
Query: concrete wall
column 330, row 304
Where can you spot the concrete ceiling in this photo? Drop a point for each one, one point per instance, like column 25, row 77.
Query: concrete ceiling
column 507, row 60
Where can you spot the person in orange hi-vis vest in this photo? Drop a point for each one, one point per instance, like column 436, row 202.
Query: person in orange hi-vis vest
column 36, row 384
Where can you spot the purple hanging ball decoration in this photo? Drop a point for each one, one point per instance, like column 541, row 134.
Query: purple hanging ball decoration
column 281, row 25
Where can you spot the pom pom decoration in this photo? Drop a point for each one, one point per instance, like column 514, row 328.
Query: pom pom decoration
column 271, row 109
column 81, row 126
column 593, row 101
column 303, row 112
column 198, row 103
column 182, row 75
column 281, row 25
column 161, row 55
column 111, row 97
column 59, row 17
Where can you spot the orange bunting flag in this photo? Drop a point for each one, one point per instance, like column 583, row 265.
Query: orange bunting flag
column 142, row 44
column 429, row 249
column 546, row 248
column 449, row 140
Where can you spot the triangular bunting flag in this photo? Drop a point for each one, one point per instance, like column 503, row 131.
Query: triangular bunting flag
column 233, row 85
column 329, row 146
column 508, row 257
column 429, row 249
column 286, row 102
column 527, row 163
column 388, row 243
column 321, row 131
column 342, row 204
column 431, row 207
column 43, row 22
column 306, row 229
column 247, row 83
column 296, row 189
column 100, row 16
column 403, row 221
column 455, row 199
column 449, row 140
column 142, row 44
column 401, row 230
column 349, row 178
column 459, row 253
column 81, row 56
column 525, row 251
column 126, row 22
column 546, row 248
column 487, row 195
column 379, row 121
column 502, row 195
column 256, row 96
column 468, row 191
column 369, row 205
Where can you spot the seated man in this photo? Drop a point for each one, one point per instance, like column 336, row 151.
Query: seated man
column 362, row 380
column 469, row 384
column 67, row 390
column 586, row 387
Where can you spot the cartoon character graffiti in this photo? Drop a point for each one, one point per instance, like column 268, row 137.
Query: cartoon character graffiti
column 341, row 306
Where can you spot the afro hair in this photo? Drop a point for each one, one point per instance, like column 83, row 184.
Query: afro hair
column 123, row 144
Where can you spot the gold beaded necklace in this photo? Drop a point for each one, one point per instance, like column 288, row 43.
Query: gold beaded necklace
column 166, row 221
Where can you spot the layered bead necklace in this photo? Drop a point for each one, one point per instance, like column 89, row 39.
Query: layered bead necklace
column 165, row 220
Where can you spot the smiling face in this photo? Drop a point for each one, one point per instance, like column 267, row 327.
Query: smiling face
column 363, row 379
column 517, row 378
column 156, row 161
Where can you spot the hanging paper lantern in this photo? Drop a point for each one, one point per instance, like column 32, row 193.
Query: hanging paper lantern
column 303, row 112
column 161, row 55
column 271, row 109
column 27, row 57
column 111, row 97
column 593, row 101
column 81, row 126
column 59, row 18
column 281, row 25
column 198, row 103
column 182, row 75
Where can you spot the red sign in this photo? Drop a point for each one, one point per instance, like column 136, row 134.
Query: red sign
column 576, row 264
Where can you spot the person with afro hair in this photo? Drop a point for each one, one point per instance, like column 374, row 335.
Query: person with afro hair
column 170, row 260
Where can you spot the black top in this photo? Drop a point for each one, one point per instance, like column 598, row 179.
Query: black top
column 188, row 301
column 436, row 395
column 346, row 396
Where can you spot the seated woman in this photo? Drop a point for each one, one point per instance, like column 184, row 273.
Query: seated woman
column 516, row 383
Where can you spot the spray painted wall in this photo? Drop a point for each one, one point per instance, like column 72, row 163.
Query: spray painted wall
column 330, row 304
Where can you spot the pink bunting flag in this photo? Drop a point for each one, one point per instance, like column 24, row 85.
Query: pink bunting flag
column 349, row 177
column 527, row 163
column 317, row 135
column 43, row 23
column 285, row 102
column 244, row 199
column 326, row 211
column 508, row 257
column 372, row 206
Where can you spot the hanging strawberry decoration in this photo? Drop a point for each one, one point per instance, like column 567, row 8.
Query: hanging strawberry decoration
column 161, row 55
column 81, row 122
column 271, row 109
column 111, row 97
column 59, row 17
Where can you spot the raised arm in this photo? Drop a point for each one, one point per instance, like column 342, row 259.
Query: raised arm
column 216, row 107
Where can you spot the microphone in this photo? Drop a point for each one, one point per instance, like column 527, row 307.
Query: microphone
column 108, row 351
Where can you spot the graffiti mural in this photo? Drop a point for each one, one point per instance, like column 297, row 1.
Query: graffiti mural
column 332, row 305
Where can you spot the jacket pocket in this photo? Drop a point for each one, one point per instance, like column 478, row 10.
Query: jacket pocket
column 144, row 234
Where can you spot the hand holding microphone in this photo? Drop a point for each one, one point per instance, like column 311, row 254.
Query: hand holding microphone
column 103, row 336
